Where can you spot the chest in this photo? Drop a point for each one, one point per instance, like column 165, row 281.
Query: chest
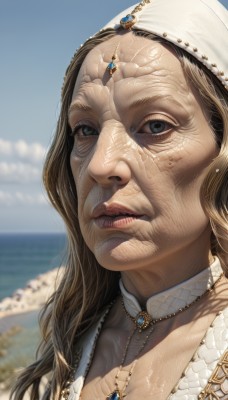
column 159, row 368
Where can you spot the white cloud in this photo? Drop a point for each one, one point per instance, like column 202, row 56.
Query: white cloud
column 19, row 172
column 5, row 147
column 32, row 152
column 19, row 198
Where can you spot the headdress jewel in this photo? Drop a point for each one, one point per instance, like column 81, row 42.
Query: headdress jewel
column 200, row 27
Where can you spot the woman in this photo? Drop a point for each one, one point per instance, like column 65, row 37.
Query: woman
column 138, row 171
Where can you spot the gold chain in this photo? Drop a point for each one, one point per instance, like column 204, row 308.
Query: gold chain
column 126, row 22
column 140, row 6
column 145, row 322
column 149, row 321
column 118, row 393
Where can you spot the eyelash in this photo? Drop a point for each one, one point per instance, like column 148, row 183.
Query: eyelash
column 159, row 121
column 79, row 126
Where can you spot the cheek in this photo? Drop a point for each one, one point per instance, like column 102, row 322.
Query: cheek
column 173, row 175
column 187, row 159
column 78, row 171
column 82, row 147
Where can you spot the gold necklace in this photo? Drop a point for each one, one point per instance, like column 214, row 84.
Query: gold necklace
column 119, row 393
column 142, row 321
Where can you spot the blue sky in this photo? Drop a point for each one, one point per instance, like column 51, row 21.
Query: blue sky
column 37, row 41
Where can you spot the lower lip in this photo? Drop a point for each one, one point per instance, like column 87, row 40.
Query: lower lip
column 117, row 222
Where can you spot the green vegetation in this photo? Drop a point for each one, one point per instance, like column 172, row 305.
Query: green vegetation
column 9, row 366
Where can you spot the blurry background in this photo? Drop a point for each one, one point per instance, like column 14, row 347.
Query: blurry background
column 37, row 41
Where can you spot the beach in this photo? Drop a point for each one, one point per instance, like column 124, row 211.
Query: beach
column 19, row 333
column 33, row 296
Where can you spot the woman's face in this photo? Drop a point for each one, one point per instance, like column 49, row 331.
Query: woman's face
column 142, row 147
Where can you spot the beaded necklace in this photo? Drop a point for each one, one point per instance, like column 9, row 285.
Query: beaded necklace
column 141, row 322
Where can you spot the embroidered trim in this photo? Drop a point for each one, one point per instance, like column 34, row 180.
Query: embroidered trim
column 217, row 386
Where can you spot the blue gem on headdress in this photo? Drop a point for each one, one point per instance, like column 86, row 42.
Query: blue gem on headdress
column 128, row 21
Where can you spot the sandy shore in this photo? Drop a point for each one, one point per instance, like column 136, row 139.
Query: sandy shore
column 26, row 302
column 33, row 296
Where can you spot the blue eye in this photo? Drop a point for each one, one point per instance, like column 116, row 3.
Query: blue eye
column 157, row 127
column 84, row 130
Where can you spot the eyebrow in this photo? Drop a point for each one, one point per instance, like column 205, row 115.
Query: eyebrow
column 77, row 106
column 147, row 100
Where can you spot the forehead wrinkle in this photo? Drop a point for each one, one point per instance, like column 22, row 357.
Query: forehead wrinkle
column 99, row 103
column 154, row 92
column 155, row 63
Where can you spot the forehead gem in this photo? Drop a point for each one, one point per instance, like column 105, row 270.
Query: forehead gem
column 112, row 67
column 128, row 21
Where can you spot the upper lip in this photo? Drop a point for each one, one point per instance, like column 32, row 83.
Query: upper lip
column 105, row 209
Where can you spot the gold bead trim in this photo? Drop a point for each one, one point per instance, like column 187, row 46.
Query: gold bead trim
column 66, row 391
column 215, row 386
column 193, row 359
column 154, row 321
column 220, row 74
column 138, row 8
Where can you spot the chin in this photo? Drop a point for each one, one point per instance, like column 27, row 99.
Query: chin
column 122, row 256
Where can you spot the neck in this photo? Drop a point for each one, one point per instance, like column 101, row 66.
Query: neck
column 162, row 275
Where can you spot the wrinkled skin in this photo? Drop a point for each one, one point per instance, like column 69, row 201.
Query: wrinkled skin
column 143, row 141
column 119, row 158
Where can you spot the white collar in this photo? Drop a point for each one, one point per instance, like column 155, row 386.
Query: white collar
column 169, row 301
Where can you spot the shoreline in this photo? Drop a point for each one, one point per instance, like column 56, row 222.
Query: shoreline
column 33, row 296
column 17, row 313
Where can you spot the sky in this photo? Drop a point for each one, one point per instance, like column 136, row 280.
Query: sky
column 37, row 42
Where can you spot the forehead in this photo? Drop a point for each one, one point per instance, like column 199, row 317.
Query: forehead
column 142, row 64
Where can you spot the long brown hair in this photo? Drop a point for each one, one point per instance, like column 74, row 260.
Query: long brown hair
column 86, row 288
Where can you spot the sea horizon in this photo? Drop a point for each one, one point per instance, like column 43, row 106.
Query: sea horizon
column 25, row 255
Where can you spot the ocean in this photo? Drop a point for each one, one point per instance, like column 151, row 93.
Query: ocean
column 24, row 256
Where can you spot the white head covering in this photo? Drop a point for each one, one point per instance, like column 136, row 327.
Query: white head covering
column 198, row 26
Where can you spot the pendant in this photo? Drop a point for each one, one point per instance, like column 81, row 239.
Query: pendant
column 116, row 395
column 128, row 21
column 143, row 320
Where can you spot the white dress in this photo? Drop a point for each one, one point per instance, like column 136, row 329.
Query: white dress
column 210, row 361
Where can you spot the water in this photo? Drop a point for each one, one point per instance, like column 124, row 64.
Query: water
column 19, row 339
column 24, row 256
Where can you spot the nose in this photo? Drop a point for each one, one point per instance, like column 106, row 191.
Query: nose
column 109, row 163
